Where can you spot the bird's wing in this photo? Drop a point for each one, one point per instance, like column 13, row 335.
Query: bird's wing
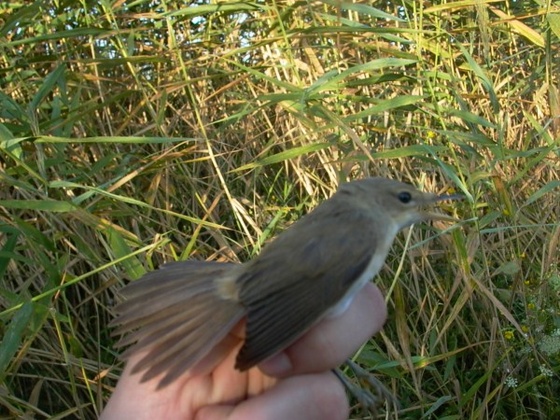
column 294, row 282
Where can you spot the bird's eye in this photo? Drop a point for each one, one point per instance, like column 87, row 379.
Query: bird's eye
column 404, row 197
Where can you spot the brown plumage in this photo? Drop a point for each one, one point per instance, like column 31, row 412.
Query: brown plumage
column 183, row 310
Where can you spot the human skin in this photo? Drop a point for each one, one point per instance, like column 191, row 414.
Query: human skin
column 295, row 384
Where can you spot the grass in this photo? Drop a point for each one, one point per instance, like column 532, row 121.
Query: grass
column 137, row 133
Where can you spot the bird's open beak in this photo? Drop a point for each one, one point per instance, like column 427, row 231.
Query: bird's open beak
column 450, row 197
column 438, row 216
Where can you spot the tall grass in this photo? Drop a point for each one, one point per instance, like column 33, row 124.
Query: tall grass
column 134, row 133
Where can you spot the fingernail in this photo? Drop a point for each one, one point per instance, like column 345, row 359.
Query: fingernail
column 277, row 365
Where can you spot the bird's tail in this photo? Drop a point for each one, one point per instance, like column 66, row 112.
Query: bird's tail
column 176, row 316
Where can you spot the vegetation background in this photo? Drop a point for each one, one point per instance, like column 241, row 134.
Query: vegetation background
column 134, row 133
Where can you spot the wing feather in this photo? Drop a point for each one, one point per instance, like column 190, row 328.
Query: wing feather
column 293, row 284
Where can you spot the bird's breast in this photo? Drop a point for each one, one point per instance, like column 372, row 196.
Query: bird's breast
column 375, row 265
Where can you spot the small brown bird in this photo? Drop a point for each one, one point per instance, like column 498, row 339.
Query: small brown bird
column 180, row 312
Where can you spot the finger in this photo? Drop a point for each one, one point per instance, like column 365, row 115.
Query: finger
column 137, row 400
column 332, row 341
column 310, row 397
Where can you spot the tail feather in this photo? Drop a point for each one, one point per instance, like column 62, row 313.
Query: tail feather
column 154, row 324
column 157, row 330
column 172, row 271
column 178, row 356
column 177, row 315
column 160, row 289
column 182, row 326
column 148, row 323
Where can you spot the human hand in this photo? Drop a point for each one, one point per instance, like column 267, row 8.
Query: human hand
column 296, row 383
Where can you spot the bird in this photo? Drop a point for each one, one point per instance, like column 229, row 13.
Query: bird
column 178, row 313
